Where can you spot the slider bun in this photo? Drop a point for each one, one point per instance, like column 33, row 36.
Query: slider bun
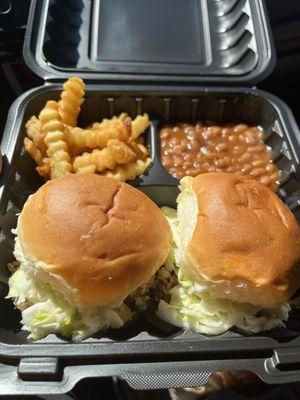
column 241, row 239
column 92, row 238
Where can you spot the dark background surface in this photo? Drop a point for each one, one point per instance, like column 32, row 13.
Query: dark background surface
column 284, row 82
column 285, row 79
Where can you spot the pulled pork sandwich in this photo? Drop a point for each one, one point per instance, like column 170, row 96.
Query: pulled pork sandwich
column 87, row 247
column 236, row 256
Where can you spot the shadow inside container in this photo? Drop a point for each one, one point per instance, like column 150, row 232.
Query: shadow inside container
column 4, row 170
column 62, row 33
column 10, row 320
column 142, row 326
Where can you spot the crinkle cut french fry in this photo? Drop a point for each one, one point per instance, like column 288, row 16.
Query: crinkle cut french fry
column 35, row 153
column 87, row 170
column 80, row 138
column 121, row 124
column 139, row 125
column 96, row 138
column 57, row 148
column 140, row 150
column 101, row 159
column 129, row 171
column 71, row 100
column 109, row 121
column 43, row 164
column 45, row 169
column 120, row 151
column 122, row 117
column 34, row 132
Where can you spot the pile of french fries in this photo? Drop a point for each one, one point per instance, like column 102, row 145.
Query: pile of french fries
column 113, row 147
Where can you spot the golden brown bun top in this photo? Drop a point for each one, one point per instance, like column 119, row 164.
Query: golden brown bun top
column 104, row 237
column 244, row 233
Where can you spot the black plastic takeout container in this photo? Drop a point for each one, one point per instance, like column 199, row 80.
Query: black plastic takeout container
column 130, row 64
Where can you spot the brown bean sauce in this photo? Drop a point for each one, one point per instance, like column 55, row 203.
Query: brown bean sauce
column 194, row 149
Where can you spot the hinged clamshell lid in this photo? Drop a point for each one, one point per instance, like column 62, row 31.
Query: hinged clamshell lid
column 211, row 41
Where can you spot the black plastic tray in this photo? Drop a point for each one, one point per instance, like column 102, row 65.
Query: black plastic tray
column 147, row 355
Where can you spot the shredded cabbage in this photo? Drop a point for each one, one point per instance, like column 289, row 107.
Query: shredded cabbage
column 45, row 310
column 171, row 216
column 192, row 307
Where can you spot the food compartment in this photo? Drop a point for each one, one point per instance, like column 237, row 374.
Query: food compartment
column 218, row 113
column 193, row 149
column 219, row 104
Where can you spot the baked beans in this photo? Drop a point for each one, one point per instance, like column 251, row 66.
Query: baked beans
column 194, row 149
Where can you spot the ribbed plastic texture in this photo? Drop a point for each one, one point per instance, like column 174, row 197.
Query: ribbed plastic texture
column 167, row 380
column 170, row 40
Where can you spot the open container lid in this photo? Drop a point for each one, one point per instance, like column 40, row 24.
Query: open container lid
column 208, row 41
